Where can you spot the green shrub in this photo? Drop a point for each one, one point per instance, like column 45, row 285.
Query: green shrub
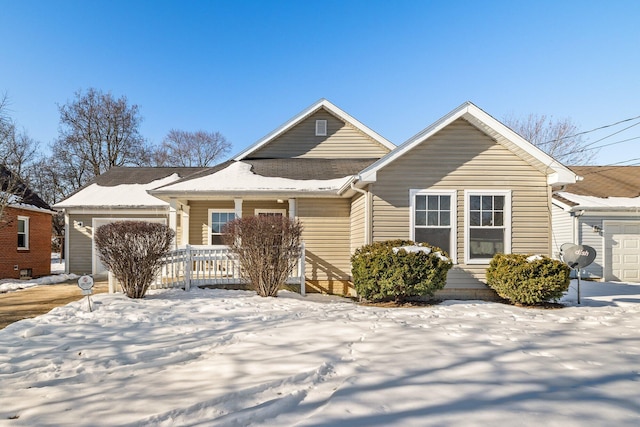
column 382, row 274
column 526, row 279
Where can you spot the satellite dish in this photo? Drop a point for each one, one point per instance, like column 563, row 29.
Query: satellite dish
column 577, row 256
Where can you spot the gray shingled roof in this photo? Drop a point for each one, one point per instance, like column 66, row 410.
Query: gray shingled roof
column 603, row 182
column 135, row 175
column 27, row 195
column 301, row 169
column 606, row 181
column 308, row 168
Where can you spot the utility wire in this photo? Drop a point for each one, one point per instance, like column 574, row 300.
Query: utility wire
column 589, row 131
column 582, row 149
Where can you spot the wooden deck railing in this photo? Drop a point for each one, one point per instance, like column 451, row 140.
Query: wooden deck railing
column 207, row 265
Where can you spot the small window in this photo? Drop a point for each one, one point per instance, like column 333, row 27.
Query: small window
column 488, row 224
column 433, row 219
column 217, row 220
column 321, row 128
column 23, row 232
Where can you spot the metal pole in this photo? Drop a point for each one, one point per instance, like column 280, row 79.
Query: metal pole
column 578, row 286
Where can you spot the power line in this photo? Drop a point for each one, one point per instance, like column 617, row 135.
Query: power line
column 589, row 131
column 582, row 149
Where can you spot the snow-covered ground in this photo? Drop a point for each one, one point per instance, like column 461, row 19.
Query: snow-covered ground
column 57, row 276
column 231, row 358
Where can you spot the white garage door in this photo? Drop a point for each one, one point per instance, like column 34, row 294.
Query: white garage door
column 622, row 251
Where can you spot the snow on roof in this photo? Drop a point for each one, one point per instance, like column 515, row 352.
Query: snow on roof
column 600, row 203
column 123, row 195
column 239, row 177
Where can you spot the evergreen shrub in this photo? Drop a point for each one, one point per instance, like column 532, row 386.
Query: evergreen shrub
column 527, row 279
column 382, row 274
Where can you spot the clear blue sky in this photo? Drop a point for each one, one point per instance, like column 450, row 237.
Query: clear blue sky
column 244, row 67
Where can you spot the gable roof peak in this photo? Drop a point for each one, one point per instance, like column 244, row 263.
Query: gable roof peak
column 321, row 103
column 556, row 172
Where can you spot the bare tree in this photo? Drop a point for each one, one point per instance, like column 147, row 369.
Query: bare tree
column 12, row 191
column 190, row 149
column 556, row 137
column 97, row 132
column 17, row 149
column 133, row 251
column 267, row 247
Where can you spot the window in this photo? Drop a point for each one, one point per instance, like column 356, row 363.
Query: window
column 433, row 219
column 217, row 219
column 23, row 232
column 488, row 221
column 321, row 128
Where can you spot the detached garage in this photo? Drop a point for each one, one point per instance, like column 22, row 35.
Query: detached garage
column 602, row 211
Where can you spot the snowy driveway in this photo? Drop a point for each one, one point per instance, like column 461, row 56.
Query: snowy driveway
column 212, row 357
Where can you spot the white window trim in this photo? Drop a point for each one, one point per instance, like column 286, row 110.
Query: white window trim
column 257, row 212
column 454, row 216
column 321, row 127
column 506, row 218
column 26, row 233
column 209, row 212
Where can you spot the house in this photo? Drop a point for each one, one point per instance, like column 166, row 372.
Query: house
column 118, row 194
column 602, row 211
column 25, row 230
column 467, row 183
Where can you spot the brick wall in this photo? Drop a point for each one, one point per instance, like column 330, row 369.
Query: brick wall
column 37, row 257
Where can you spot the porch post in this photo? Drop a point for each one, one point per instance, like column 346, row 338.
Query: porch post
column 185, row 224
column 173, row 221
column 292, row 208
column 187, row 268
column 238, row 207
column 301, row 272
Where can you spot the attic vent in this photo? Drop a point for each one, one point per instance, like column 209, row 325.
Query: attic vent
column 321, row 128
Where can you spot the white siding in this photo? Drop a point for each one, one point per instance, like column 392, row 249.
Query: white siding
column 563, row 230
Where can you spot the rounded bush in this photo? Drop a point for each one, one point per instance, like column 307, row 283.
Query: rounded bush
column 383, row 272
column 527, row 279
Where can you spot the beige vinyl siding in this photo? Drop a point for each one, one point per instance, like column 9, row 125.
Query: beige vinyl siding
column 342, row 141
column 460, row 157
column 358, row 221
column 326, row 235
column 79, row 259
column 199, row 219
column 249, row 206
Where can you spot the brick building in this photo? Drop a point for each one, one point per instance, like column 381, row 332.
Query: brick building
column 25, row 230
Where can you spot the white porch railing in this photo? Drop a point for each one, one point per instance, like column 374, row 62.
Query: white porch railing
column 208, row 265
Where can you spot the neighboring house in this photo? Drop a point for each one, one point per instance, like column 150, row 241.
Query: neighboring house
column 467, row 183
column 119, row 194
column 602, row 211
column 25, row 231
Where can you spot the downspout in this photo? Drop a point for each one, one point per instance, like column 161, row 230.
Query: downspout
column 367, row 213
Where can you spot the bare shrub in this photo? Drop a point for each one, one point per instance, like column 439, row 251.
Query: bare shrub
column 133, row 250
column 268, row 248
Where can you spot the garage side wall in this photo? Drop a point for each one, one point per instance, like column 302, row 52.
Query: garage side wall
column 80, row 245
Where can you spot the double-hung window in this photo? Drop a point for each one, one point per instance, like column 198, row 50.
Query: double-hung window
column 23, row 232
column 433, row 219
column 488, row 223
column 217, row 220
